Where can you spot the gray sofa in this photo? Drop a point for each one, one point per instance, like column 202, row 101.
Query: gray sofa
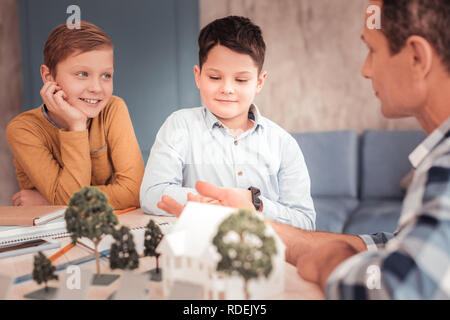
column 355, row 179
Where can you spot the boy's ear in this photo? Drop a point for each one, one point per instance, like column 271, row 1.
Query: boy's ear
column 46, row 75
column 197, row 72
column 261, row 78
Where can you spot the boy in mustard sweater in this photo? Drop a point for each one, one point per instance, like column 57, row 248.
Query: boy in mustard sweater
column 81, row 135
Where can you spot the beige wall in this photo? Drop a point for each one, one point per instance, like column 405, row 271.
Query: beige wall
column 314, row 57
column 10, row 92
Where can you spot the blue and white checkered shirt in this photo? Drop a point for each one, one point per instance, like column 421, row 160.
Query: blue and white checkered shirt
column 414, row 262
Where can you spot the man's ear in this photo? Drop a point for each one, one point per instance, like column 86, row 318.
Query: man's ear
column 46, row 75
column 197, row 72
column 421, row 59
column 261, row 79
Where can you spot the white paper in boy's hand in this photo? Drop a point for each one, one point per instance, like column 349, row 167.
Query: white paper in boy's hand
column 207, row 213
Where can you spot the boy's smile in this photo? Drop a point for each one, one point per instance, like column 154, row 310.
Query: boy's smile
column 86, row 79
column 228, row 83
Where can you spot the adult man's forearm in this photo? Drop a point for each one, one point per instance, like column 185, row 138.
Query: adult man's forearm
column 298, row 241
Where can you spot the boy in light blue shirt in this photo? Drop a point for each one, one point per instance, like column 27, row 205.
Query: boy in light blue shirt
column 228, row 142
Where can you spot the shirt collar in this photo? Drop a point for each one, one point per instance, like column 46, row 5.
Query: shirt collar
column 46, row 116
column 424, row 149
column 212, row 121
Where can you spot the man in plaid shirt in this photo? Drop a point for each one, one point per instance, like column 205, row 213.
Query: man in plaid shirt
column 409, row 65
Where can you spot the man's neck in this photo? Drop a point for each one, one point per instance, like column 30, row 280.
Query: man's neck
column 437, row 108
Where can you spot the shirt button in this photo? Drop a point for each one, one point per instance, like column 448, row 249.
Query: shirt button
column 235, row 143
column 240, row 173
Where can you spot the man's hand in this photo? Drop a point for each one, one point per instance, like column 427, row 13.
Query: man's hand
column 29, row 197
column 229, row 197
column 317, row 266
column 54, row 99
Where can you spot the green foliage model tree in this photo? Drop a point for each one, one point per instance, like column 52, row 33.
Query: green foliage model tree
column 123, row 254
column 90, row 215
column 152, row 238
column 43, row 270
column 245, row 248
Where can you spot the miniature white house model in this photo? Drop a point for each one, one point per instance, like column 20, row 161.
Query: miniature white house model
column 189, row 256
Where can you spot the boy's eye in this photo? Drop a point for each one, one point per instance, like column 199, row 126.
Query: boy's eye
column 241, row 80
column 214, row 78
column 82, row 74
column 107, row 76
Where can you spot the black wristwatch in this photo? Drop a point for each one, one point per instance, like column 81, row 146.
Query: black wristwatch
column 255, row 197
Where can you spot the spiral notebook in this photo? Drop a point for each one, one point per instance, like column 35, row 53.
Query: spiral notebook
column 17, row 235
column 28, row 247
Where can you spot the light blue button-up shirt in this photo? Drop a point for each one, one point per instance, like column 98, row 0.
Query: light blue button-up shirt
column 193, row 145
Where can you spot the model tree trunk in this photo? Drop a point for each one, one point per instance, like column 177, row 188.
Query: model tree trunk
column 97, row 256
column 247, row 295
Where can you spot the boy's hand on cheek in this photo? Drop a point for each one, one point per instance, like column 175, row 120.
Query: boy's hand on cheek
column 54, row 98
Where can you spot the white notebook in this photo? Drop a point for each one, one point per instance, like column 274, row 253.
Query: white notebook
column 28, row 247
column 16, row 235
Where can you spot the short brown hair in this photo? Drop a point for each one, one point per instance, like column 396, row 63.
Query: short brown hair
column 236, row 33
column 63, row 41
column 429, row 19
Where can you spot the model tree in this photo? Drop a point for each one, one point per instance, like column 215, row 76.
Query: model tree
column 244, row 246
column 123, row 254
column 152, row 238
column 43, row 270
column 90, row 215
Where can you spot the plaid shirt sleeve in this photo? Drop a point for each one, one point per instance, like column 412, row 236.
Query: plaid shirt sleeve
column 376, row 241
column 413, row 264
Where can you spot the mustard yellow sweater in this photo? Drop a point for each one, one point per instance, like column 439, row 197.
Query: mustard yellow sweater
column 58, row 162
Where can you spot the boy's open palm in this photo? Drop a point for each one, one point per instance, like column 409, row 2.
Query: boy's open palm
column 229, row 197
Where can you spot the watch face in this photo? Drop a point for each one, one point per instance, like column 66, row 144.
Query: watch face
column 255, row 197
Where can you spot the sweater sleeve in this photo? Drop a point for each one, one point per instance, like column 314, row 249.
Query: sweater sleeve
column 125, row 156
column 55, row 182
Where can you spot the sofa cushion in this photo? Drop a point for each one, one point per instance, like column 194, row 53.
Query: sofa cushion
column 374, row 216
column 384, row 161
column 332, row 213
column 332, row 161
